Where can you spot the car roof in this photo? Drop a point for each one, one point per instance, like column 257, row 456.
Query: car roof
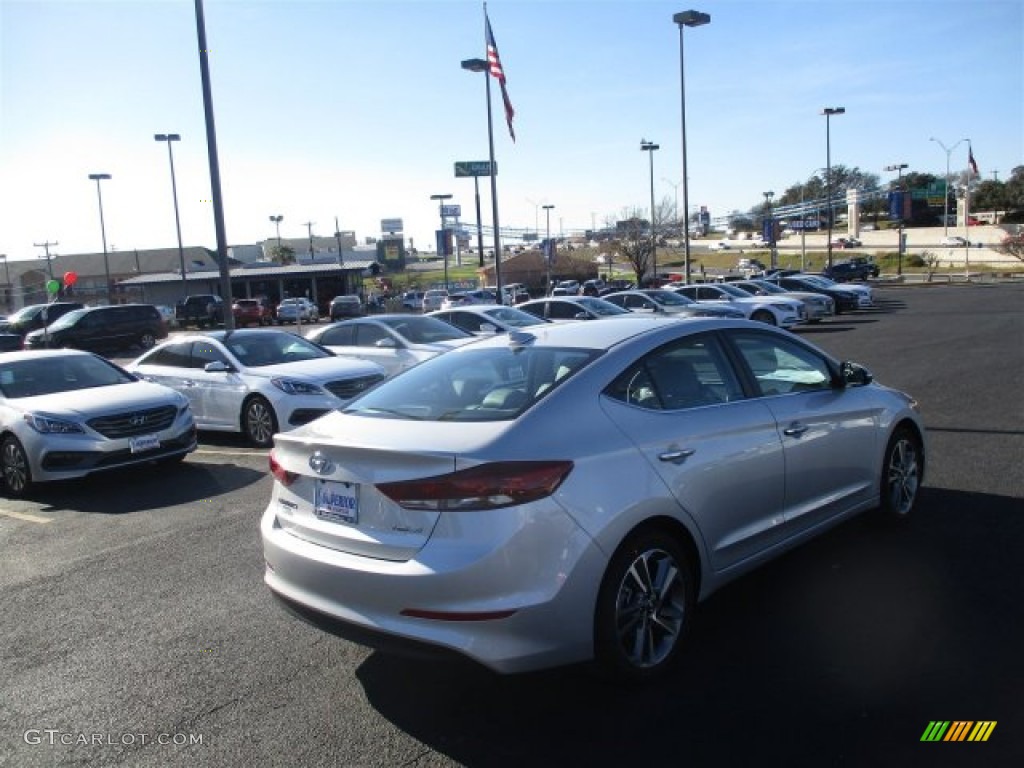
column 36, row 354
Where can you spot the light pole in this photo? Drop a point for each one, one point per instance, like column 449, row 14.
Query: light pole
column 442, row 242
column 828, row 112
column 770, row 229
column 549, row 251
column 945, row 189
column 98, row 177
column 277, row 224
column 686, row 19
column 171, row 137
column 650, row 147
column 536, row 214
column 482, row 65
column 309, row 229
column 898, row 167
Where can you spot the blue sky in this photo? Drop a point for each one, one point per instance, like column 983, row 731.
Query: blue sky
column 358, row 109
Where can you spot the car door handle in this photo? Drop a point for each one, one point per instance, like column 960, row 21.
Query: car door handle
column 188, row 383
column 795, row 429
column 677, row 456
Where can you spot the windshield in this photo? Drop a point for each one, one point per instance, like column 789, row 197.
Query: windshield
column 670, row 298
column 49, row 375
column 423, row 330
column 65, row 321
column 514, row 318
column 25, row 313
column 732, row 290
column 600, row 306
column 492, row 384
column 766, row 286
column 255, row 350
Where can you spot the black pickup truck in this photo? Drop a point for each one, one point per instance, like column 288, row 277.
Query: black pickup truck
column 201, row 310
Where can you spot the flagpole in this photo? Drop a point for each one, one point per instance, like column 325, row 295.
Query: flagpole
column 494, row 182
column 967, row 214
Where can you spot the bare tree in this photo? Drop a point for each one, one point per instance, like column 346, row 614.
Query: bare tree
column 635, row 246
column 1012, row 245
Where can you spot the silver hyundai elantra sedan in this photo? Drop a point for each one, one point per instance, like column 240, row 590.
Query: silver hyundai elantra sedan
column 568, row 492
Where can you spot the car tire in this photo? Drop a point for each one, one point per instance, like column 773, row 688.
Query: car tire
column 14, row 467
column 643, row 607
column 900, row 483
column 259, row 422
column 763, row 316
column 147, row 340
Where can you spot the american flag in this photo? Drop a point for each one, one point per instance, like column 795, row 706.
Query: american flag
column 970, row 160
column 497, row 72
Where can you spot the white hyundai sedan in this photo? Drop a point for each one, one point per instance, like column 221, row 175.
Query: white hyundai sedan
column 67, row 414
column 256, row 382
column 570, row 491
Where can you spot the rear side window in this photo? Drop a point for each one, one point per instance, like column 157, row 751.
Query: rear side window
column 689, row 373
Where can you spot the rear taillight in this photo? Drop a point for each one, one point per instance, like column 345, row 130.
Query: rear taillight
column 283, row 476
column 488, row 486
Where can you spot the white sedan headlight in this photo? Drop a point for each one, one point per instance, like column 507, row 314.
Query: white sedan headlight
column 296, row 387
column 49, row 425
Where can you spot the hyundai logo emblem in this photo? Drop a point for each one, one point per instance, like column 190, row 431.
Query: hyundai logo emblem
column 137, row 419
column 320, row 463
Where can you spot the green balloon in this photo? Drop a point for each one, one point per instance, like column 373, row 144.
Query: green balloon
column 52, row 286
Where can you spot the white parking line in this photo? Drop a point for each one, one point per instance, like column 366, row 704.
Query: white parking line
column 240, row 452
column 25, row 516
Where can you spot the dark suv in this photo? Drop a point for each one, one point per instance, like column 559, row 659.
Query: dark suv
column 102, row 328
column 36, row 316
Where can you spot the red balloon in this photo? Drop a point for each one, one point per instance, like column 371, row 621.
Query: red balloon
column 70, row 278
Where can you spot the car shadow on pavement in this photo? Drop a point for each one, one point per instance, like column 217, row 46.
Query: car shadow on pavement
column 840, row 652
column 142, row 488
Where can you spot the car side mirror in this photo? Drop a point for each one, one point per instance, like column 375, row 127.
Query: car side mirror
column 217, row 366
column 385, row 343
column 854, row 375
column 488, row 328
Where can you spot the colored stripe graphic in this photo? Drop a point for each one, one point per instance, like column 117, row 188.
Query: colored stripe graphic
column 958, row 730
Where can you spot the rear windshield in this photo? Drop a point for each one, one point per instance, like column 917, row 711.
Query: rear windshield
column 492, row 384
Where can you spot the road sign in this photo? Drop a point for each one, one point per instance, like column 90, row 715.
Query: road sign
column 390, row 225
column 474, row 168
column 451, row 211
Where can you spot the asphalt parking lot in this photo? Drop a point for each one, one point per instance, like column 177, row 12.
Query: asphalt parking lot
column 137, row 631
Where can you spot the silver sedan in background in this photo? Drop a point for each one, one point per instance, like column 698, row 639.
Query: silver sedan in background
column 569, row 492
column 394, row 342
column 256, row 382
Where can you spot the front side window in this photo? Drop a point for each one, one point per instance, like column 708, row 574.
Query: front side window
column 781, row 366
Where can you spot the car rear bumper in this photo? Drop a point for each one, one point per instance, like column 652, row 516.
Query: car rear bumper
column 493, row 601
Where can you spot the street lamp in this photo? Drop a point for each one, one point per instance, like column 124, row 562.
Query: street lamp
column 277, row 224
column 945, row 189
column 649, row 147
column 686, row 19
column 898, row 167
column 482, row 65
column 828, row 112
column 98, row 177
column 549, row 251
column 171, row 137
column 442, row 241
column 770, row 229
